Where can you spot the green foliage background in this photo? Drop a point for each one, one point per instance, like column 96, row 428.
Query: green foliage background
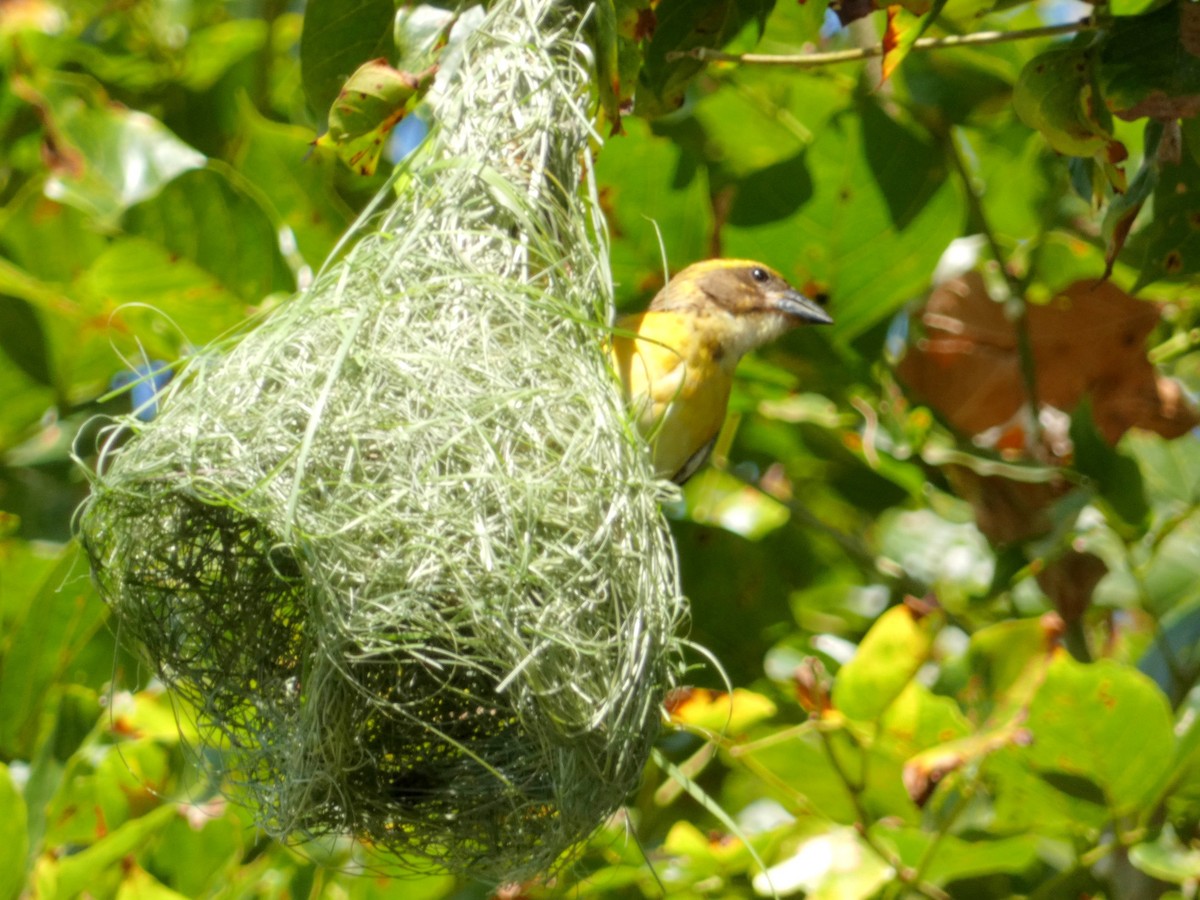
column 154, row 153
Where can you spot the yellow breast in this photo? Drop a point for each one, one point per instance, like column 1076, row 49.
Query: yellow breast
column 677, row 385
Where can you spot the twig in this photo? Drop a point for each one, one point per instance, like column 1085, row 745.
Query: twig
column 855, row 788
column 1024, row 340
column 813, row 60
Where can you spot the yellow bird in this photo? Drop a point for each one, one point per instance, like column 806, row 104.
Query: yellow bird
column 676, row 360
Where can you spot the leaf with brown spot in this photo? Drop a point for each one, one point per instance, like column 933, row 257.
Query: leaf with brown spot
column 1123, row 211
column 719, row 711
column 1057, row 94
column 1149, row 64
column 373, row 100
column 925, row 771
column 1172, row 239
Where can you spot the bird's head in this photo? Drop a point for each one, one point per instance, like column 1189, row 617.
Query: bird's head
column 752, row 303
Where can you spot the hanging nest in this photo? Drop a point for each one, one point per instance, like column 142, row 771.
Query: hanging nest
column 399, row 548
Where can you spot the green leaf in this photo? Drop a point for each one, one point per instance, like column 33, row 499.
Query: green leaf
column 48, row 240
column 722, row 500
column 14, row 839
column 602, row 32
column 959, row 86
column 1172, row 239
column 919, row 719
column 196, row 858
column 172, row 302
column 206, row 219
column 25, row 404
column 880, row 212
column 1167, row 859
column 74, row 873
column 339, row 36
column 296, row 178
column 1117, row 476
column 1149, row 65
column 1172, row 576
column 1023, row 802
column 1057, row 95
column 23, row 340
column 113, row 157
column 213, row 51
column 758, row 121
column 374, row 99
column 64, row 613
column 1124, row 209
column 1170, row 469
column 954, row 858
column 1180, row 638
column 643, row 200
column 684, row 25
column 801, row 768
column 1007, row 661
column 702, row 855
column 888, row 658
column 1082, row 722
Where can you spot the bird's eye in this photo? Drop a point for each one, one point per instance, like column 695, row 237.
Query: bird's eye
column 759, row 275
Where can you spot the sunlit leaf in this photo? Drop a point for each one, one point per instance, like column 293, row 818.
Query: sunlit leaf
column 837, row 865
column 897, row 645
column 719, row 712
column 370, row 104
column 719, row 499
column 1167, row 859
column 1080, row 723
column 111, row 157
column 204, row 219
column 649, row 195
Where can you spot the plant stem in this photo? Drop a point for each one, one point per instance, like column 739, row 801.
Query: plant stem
column 814, row 60
column 1024, row 341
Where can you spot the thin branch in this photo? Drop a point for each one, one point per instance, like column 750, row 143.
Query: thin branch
column 813, row 60
column 855, row 789
column 1024, row 340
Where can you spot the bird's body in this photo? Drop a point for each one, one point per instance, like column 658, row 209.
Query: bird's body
column 677, row 359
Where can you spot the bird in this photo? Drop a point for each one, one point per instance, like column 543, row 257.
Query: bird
column 676, row 360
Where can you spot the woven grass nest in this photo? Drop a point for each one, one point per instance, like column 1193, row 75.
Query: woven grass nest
column 399, row 547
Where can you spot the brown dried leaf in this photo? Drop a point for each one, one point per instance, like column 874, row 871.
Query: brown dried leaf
column 1069, row 582
column 1006, row 511
column 1090, row 339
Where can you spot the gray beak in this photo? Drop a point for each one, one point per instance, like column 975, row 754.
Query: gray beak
column 795, row 304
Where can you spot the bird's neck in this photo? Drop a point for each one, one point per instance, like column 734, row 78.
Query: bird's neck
column 727, row 338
